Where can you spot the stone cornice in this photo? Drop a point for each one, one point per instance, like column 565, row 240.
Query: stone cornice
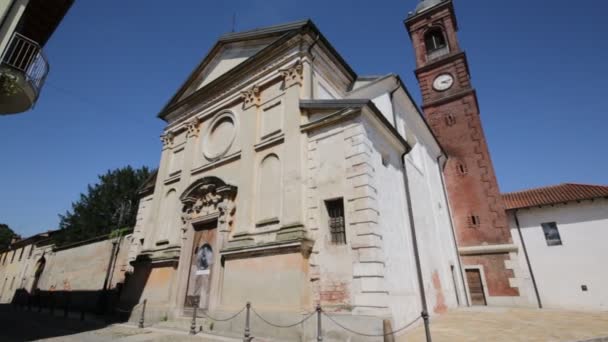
column 301, row 245
column 330, row 119
column 487, row 249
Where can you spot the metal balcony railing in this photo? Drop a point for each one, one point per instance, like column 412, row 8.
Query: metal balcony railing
column 26, row 56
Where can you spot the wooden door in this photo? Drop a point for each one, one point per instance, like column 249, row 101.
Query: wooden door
column 201, row 265
column 478, row 296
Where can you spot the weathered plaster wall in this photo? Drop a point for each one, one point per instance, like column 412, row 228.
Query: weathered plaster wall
column 271, row 282
column 561, row 270
column 331, row 265
column 84, row 267
column 15, row 271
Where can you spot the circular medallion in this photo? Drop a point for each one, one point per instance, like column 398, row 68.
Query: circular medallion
column 219, row 136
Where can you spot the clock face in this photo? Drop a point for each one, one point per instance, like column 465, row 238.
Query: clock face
column 443, row 82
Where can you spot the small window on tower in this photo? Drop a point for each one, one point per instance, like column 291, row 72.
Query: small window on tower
column 335, row 211
column 450, row 120
column 435, row 43
column 474, row 221
column 462, row 168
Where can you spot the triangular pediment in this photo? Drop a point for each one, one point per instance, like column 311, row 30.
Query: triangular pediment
column 223, row 60
column 230, row 51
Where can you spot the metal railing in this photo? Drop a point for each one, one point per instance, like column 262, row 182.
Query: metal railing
column 26, row 56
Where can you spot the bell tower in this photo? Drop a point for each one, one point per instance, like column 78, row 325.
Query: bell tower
column 450, row 106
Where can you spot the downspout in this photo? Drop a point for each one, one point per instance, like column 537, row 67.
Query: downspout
column 523, row 245
column 410, row 212
column 445, row 196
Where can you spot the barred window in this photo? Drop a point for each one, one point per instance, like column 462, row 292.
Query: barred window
column 335, row 211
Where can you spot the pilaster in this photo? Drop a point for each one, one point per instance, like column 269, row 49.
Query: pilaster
column 292, row 158
column 369, row 289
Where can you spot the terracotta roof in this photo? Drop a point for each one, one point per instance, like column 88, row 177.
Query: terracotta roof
column 553, row 195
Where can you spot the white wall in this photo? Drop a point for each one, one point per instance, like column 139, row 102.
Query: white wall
column 434, row 236
column 580, row 260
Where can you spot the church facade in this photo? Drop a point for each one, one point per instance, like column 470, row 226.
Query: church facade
column 287, row 180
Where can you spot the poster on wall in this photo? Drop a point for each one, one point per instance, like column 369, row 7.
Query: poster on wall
column 202, row 259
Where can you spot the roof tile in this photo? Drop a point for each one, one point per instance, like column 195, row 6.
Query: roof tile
column 553, row 195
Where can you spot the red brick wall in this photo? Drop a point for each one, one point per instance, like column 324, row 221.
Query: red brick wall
column 496, row 275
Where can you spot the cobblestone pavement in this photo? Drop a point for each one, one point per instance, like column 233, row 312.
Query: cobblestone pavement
column 512, row 325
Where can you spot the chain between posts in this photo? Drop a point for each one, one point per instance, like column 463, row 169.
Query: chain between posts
column 372, row 335
column 283, row 326
column 319, row 312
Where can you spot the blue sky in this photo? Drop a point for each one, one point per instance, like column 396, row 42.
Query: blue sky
column 539, row 68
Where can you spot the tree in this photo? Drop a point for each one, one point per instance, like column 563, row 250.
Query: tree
column 6, row 235
column 108, row 205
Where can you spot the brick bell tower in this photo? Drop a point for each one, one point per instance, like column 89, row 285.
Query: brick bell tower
column 449, row 103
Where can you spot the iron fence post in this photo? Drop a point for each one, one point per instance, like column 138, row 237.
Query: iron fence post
column 193, row 323
column 319, row 327
column 143, row 312
column 52, row 299
column 427, row 329
column 247, row 336
column 66, row 308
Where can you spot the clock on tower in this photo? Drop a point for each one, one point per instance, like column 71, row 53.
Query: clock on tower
column 449, row 103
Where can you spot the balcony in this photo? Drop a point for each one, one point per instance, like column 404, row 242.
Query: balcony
column 23, row 70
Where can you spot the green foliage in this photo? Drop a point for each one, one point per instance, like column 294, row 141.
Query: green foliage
column 6, row 234
column 109, row 205
column 8, row 83
column 116, row 233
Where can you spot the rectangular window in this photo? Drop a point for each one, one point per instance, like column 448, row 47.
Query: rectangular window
column 474, row 221
column 335, row 211
column 551, row 234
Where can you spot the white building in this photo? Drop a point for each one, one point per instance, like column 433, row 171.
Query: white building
column 563, row 231
column 288, row 180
